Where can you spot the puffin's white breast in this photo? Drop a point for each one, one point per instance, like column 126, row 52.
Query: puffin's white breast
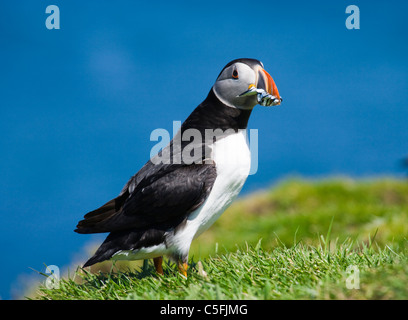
column 233, row 161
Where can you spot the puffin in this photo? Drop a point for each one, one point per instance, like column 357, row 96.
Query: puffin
column 182, row 190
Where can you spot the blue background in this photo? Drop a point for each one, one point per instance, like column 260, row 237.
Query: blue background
column 77, row 105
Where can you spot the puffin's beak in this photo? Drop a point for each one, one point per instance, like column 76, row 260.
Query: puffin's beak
column 264, row 83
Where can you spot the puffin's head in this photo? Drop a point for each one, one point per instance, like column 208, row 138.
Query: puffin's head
column 244, row 83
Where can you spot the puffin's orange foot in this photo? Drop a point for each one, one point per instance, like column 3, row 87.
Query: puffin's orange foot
column 158, row 265
column 182, row 267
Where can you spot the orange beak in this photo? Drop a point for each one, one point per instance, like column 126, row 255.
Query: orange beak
column 266, row 82
column 265, row 88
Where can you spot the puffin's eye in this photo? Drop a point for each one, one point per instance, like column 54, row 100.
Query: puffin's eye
column 235, row 74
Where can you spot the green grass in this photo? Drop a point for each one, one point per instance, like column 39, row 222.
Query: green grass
column 312, row 233
column 301, row 209
column 299, row 272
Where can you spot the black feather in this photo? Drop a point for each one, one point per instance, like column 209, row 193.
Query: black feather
column 157, row 199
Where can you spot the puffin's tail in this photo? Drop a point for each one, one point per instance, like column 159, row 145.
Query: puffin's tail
column 107, row 249
column 94, row 259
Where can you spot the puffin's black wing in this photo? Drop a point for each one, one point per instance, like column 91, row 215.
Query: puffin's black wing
column 158, row 196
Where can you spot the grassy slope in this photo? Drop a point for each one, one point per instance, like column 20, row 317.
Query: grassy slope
column 294, row 261
column 299, row 210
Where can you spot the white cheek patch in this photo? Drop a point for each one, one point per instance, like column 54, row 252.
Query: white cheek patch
column 221, row 90
column 228, row 89
column 246, row 74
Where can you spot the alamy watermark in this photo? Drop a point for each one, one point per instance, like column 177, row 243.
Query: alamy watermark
column 353, row 20
column 52, row 281
column 353, row 277
column 53, row 20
